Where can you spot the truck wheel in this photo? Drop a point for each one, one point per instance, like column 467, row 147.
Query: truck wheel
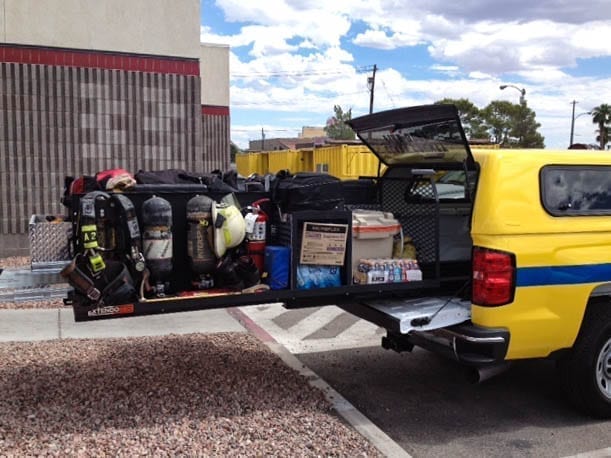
column 586, row 370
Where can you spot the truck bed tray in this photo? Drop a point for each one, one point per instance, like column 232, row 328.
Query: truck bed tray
column 291, row 298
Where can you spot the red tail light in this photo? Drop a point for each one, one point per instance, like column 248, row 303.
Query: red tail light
column 493, row 277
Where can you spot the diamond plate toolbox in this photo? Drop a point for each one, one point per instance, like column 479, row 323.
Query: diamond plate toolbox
column 49, row 241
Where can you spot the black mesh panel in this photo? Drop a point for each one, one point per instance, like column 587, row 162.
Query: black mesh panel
column 413, row 201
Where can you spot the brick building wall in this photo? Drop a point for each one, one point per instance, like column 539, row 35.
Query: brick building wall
column 216, row 137
column 71, row 112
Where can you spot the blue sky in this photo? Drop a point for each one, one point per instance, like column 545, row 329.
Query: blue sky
column 291, row 61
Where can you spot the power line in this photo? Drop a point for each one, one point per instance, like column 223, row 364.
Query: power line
column 297, row 73
column 388, row 93
column 367, row 68
column 286, row 74
column 256, row 129
column 292, row 101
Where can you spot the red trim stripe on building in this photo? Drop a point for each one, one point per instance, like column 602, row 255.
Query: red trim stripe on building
column 98, row 59
column 215, row 110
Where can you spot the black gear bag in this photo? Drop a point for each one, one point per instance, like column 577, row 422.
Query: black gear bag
column 307, row 191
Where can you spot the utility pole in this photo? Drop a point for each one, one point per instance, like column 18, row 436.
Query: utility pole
column 371, row 84
column 262, row 139
column 574, row 102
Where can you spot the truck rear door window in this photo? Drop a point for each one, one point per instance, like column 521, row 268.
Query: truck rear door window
column 576, row 190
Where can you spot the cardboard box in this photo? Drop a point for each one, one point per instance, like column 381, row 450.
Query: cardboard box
column 323, row 244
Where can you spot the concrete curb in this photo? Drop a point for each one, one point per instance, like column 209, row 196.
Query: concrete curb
column 378, row 438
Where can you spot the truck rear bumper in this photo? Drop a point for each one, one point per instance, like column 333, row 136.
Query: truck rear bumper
column 440, row 324
column 466, row 343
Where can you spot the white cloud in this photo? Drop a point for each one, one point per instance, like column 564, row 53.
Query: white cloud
column 289, row 57
column 513, row 47
column 479, row 75
column 473, row 34
column 281, row 20
column 375, row 39
column 450, row 70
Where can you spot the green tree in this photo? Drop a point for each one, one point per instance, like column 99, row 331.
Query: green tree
column 513, row 125
column 499, row 115
column 337, row 128
column 510, row 125
column 470, row 117
column 601, row 115
column 233, row 150
column 524, row 128
column 605, row 137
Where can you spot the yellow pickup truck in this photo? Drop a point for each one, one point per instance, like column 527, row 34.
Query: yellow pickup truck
column 536, row 228
column 503, row 255
column 542, row 262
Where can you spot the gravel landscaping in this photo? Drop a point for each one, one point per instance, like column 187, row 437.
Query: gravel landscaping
column 212, row 395
column 206, row 395
column 20, row 305
column 15, row 262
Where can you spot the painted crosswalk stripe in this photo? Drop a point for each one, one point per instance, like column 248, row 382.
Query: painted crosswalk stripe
column 333, row 328
column 290, row 318
column 316, row 329
column 315, row 320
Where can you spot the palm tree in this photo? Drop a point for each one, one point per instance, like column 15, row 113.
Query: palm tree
column 605, row 136
column 601, row 115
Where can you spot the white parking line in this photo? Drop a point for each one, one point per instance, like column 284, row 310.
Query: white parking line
column 294, row 337
column 313, row 322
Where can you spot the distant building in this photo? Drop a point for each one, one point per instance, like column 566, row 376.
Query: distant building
column 273, row 144
column 87, row 86
column 280, row 144
column 309, row 137
column 311, row 132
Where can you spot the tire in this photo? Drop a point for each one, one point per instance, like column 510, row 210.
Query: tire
column 586, row 370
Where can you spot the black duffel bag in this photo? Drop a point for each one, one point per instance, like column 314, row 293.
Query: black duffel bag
column 213, row 180
column 307, row 191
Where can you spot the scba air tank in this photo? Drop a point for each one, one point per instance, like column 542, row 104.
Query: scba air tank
column 157, row 239
column 200, row 240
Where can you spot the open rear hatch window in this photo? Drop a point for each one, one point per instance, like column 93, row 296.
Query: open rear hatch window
column 416, row 135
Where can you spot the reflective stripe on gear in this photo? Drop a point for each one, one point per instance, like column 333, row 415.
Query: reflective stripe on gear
column 90, row 236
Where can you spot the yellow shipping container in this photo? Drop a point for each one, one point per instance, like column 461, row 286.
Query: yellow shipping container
column 292, row 160
column 346, row 162
column 249, row 163
column 485, row 146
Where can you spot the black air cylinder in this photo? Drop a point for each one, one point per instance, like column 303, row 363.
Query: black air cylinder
column 157, row 237
column 199, row 235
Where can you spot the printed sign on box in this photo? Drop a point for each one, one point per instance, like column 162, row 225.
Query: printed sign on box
column 323, row 244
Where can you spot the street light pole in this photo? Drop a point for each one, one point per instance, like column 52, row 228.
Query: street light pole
column 522, row 113
column 522, row 91
column 574, row 102
column 573, row 118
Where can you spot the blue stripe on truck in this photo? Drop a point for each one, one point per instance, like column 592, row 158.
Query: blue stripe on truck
column 563, row 275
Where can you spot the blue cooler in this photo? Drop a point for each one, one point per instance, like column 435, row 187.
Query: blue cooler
column 277, row 266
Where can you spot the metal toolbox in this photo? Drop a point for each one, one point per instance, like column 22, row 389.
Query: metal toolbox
column 49, row 242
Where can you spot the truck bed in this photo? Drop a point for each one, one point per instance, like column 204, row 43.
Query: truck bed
column 440, row 231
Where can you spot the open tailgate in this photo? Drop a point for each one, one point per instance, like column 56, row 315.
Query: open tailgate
column 414, row 136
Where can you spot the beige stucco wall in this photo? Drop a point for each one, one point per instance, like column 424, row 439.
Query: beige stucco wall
column 2, row 21
column 214, row 72
column 161, row 27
